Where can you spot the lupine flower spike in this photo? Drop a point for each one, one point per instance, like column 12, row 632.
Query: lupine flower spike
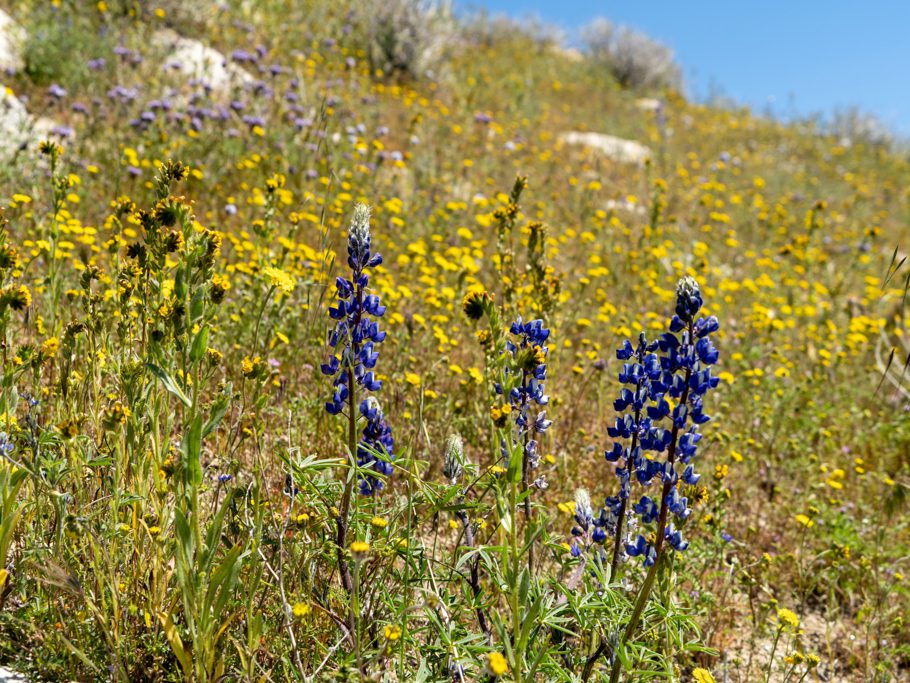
column 529, row 355
column 685, row 357
column 355, row 335
column 355, row 340
column 528, row 372
column 634, row 425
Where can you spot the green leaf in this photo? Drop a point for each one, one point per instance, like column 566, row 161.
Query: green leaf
column 224, row 579
column 10, row 399
column 212, row 537
column 169, row 383
column 184, row 560
column 218, row 410
column 197, row 306
column 180, row 284
column 200, row 344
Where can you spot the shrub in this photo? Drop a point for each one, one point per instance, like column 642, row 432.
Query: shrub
column 853, row 125
column 406, row 37
column 488, row 30
column 634, row 59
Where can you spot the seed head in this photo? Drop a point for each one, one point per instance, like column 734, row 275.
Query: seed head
column 688, row 299
column 583, row 504
column 453, row 463
column 359, row 234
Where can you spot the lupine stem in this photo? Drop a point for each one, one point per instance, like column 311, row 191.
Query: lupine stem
column 355, row 613
column 525, row 466
column 602, row 647
column 516, row 583
column 342, row 529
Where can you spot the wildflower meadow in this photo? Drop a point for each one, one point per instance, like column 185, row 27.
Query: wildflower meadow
column 363, row 341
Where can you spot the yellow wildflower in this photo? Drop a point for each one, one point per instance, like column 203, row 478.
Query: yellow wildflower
column 497, row 664
column 280, row 279
column 788, row 619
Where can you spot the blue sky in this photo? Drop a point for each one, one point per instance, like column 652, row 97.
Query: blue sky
column 796, row 57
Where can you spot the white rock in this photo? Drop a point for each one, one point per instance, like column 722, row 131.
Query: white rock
column 19, row 130
column 617, row 149
column 624, row 205
column 7, row 676
column 12, row 44
column 16, row 125
column 42, row 128
column 648, row 103
column 195, row 59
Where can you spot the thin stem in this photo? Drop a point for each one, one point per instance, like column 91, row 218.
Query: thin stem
column 342, row 530
column 515, row 587
column 602, row 647
column 265, row 302
column 281, row 563
column 525, row 471
column 640, row 603
column 773, row 652
column 475, row 573
column 355, row 609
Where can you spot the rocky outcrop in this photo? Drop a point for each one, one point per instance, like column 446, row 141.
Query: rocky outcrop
column 616, row 149
column 196, row 60
column 12, row 44
column 7, row 676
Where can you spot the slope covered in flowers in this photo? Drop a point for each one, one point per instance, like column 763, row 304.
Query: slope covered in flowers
column 174, row 488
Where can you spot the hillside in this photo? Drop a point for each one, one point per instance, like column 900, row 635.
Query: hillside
column 192, row 488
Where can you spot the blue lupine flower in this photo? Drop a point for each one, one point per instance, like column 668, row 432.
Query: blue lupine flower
column 642, row 373
column 675, row 538
column 688, row 299
column 584, row 514
column 687, row 354
column 641, row 548
column 529, row 353
column 588, row 532
column 647, row 509
column 376, row 449
column 356, row 335
column 677, row 366
column 690, row 477
column 355, row 339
